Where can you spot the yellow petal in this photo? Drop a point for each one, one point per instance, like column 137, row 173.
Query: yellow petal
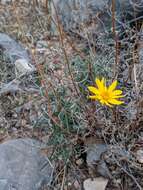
column 92, row 97
column 99, row 97
column 117, row 92
column 118, row 96
column 112, row 86
column 115, row 102
column 103, row 81
column 100, row 84
column 105, row 102
column 93, row 89
column 101, row 101
column 108, row 104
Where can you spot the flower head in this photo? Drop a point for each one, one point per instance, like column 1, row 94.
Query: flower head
column 106, row 95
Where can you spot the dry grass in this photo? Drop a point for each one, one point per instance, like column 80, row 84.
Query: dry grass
column 58, row 113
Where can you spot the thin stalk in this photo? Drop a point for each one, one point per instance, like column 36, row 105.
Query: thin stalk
column 115, row 38
column 60, row 30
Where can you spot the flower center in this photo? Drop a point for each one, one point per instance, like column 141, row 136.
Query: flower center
column 105, row 95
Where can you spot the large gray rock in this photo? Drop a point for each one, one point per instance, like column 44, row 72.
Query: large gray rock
column 94, row 159
column 12, row 49
column 22, row 166
column 94, row 152
column 96, row 15
column 15, row 63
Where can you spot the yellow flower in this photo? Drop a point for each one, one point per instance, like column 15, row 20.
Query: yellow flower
column 106, row 95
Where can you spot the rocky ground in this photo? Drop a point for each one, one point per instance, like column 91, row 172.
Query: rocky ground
column 43, row 78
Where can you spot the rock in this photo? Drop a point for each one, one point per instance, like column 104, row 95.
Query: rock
column 139, row 155
column 94, row 159
column 103, row 170
column 75, row 14
column 94, row 152
column 23, row 67
column 17, row 63
column 12, row 49
column 3, row 2
column 22, row 166
column 99, row 183
column 11, row 87
column 96, row 16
